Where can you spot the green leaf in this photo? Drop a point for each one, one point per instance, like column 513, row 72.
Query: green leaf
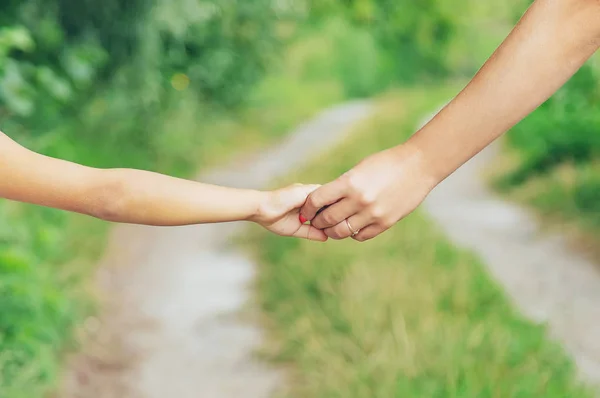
column 16, row 37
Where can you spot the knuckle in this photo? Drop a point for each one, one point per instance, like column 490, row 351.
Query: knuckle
column 329, row 218
column 313, row 200
column 366, row 198
column 377, row 213
column 353, row 182
column 317, row 222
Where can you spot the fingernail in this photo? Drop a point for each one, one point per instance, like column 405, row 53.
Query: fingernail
column 303, row 220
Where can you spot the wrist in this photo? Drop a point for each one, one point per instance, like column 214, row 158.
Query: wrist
column 415, row 158
column 259, row 201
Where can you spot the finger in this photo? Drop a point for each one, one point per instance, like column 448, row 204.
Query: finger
column 342, row 230
column 323, row 196
column 310, row 233
column 369, row 232
column 295, row 195
column 335, row 214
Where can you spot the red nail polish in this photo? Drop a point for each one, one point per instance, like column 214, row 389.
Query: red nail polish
column 302, row 219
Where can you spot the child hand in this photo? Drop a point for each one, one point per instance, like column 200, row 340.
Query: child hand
column 280, row 210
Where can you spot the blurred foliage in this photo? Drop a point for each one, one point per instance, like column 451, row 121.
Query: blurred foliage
column 38, row 304
column 555, row 154
column 342, row 53
column 413, row 36
column 54, row 53
column 564, row 129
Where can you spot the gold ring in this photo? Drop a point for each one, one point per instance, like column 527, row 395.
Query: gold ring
column 354, row 233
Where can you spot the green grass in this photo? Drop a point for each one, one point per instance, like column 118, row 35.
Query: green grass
column 47, row 256
column 404, row 315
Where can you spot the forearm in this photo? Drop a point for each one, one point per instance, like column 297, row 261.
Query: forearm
column 550, row 43
column 121, row 195
column 141, row 197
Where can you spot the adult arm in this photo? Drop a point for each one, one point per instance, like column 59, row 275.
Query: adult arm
column 548, row 45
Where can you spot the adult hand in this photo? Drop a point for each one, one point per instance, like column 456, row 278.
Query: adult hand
column 372, row 197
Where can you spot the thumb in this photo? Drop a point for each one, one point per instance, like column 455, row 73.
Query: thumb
column 295, row 195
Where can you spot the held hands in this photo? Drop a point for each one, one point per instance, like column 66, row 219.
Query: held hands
column 362, row 203
column 278, row 213
column 372, row 197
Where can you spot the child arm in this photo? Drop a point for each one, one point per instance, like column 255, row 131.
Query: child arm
column 142, row 197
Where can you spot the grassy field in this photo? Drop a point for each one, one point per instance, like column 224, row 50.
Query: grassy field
column 404, row 315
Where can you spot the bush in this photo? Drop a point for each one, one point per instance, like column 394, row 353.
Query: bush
column 587, row 197
column 358, row 62
column 338, row 51
column 54, row 53
column 414, row 36
column 38, row 304
column 564, row 129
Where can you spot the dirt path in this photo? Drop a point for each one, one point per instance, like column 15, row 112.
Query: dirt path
column 170, row 325
column 549, row 282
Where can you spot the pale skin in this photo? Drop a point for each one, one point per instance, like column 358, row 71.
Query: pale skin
column 548, row 45
column 142, row 197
